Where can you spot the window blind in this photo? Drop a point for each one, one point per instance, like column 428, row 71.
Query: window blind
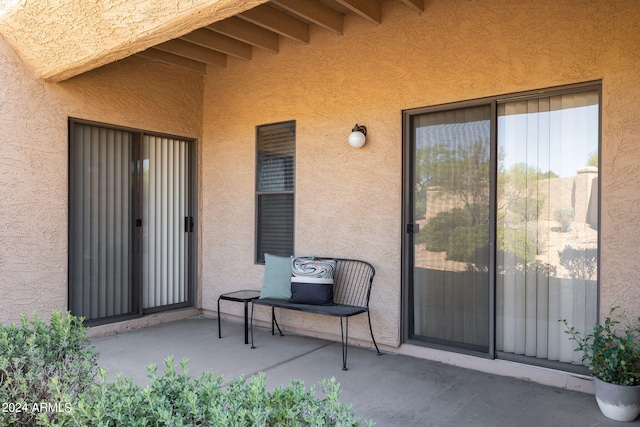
column 101, row 212
column 275, row 185
column 165, row 207
column 546, row 270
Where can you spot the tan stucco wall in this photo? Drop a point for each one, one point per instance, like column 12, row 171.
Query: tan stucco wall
column 348, row 202
column 33, row 160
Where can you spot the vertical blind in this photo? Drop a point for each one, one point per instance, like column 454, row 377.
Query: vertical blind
column 165, row 207
column 129, row 222
column 275, row 187
column 546, row 265
column 100, row 273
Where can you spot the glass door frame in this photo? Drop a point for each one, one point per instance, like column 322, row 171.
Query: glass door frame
column 408, row 212
column 408, row 204
column 137, row 237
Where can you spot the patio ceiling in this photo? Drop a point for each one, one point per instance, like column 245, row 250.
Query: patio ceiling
column 262, row 28
column 63, row 38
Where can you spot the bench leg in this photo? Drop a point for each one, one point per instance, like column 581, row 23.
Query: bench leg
column 344, row 336
column 274, row 321
column 372, row 338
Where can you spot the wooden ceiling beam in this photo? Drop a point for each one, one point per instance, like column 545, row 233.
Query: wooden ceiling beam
column 368, row 9
column 314, row 11
column 278, row 22
column 171, row 59
column 417, row 5
column 247, row 32
column 193, row 51
column 215, row 41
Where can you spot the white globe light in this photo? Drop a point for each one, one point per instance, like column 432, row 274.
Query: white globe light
column 358, row 137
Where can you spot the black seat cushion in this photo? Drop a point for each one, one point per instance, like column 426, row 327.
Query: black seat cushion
column 339, row 310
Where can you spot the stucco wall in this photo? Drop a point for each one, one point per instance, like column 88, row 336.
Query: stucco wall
column 34, row 168
column 348, row 202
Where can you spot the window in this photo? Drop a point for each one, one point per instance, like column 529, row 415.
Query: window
column 275, row 189
column 502, row 207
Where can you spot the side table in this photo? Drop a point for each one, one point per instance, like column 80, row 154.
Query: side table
column 244, row 296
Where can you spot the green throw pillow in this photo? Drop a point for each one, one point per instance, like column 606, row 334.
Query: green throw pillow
column 277, row 277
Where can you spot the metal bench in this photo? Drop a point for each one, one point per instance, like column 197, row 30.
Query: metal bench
column 352, row 283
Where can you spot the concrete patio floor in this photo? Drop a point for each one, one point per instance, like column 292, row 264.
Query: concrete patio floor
column 392, row 390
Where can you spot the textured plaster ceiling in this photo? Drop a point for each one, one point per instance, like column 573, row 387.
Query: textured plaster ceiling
column 59, row 39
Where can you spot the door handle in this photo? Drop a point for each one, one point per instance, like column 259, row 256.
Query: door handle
column 188, row 224
column 413, row 228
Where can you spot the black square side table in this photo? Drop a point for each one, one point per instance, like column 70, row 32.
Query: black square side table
column 244, row 296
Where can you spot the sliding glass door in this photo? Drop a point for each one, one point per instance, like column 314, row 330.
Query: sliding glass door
column 547, row 241
column 102, row 230
column 129, row 222
column 449, row 232
column 166, row 221
column 501, row 215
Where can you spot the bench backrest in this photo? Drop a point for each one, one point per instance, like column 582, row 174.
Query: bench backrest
column 352, row 282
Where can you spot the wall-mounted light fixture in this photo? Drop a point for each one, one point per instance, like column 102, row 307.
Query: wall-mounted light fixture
column 358, row 136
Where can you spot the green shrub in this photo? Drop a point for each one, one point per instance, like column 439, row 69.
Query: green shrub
column 516, row 241
column 469, row 244
column 565, row 216
column 34, row 356
column 457, row 232
column 175, row 399
column 581, row 264
column 612, row 350
column 526, row 208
